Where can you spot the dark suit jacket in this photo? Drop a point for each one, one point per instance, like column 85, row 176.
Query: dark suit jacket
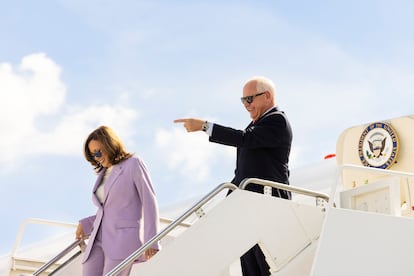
column 262, row 149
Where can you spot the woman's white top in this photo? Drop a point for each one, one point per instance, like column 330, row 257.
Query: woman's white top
column 100, row 192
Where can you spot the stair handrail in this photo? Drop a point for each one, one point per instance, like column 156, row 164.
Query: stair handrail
column 131, row 258
column 282, row 186
column 36, row 221
column 59, row 256
column 22, row 229
column 65, row 263
column 73, row 245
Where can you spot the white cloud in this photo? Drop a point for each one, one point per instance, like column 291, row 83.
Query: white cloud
column 190, row 154
column 33, row 92
column 33, row 89
column 76, row 125
column 185, row 152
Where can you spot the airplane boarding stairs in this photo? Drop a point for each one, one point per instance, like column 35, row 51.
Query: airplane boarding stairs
column 297, row 239
column 286, row 231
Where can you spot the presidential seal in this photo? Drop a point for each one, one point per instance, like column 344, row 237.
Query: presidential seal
column 378, row 146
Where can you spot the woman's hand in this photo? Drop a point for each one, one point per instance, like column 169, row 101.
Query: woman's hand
column 150, row 252
column 79, row 232
column 80, row 236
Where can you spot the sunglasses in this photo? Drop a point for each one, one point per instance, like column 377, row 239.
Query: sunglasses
column 249, row 99
column 96, row 154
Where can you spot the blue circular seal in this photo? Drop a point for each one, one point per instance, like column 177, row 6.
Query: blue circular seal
column 378, row 146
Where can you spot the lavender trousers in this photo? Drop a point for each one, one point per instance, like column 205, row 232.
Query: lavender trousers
column 98, row 264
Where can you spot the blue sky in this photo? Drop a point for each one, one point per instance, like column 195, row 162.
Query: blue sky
column 68, row 66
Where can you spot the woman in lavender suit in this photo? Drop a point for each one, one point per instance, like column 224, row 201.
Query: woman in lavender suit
column 127, row 214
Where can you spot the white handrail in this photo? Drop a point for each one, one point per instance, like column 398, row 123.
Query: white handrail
column 283, row 186
column 62, row 254
column 37, row 221
column 73, row 245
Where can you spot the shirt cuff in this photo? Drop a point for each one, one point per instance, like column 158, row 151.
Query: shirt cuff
column 209, row 130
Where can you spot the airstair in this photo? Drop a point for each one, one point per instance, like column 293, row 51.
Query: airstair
column 285, row 231
column 224, row 229
column 319, row 239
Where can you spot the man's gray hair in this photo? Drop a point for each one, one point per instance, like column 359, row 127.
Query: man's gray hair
column 264, row 84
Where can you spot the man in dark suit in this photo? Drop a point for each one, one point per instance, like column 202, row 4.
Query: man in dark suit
column 263, row 150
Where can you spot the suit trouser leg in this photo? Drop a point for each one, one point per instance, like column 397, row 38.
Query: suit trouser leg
column 110, row 264
column 97, row 264
column 253, row 263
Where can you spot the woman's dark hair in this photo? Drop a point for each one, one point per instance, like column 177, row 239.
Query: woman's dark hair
column 111, row 143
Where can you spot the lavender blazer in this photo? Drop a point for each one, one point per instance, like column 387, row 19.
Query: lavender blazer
column 128, row 216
